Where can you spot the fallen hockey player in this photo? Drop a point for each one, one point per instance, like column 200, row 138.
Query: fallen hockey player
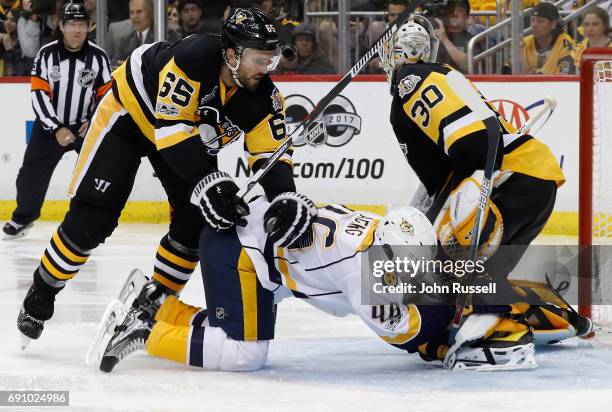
column 245, row 274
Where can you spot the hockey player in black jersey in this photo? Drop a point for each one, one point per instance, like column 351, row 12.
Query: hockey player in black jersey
column 178, row 104
column 445, row 143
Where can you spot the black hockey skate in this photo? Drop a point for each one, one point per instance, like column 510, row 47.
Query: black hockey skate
column 129, row 337
column 13, row 230
column 37, row 308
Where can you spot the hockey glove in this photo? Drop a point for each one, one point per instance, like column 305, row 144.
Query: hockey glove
column 289, row 216
column 216, row 196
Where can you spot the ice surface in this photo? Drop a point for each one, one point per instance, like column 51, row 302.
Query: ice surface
column 317, row 362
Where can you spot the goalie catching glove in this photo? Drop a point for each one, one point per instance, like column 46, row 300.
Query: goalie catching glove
column 216, row 196
column 289, row 216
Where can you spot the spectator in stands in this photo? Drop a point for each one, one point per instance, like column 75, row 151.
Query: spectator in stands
column 275, row 12
column 90, row 6
column 118, row 10
column 596, row 29
column 548, row 50
column 451, row 30
column 29, row 32
column 190, row 12
column 141, row 32
column 394, row 9
column 213, row 16
column 8, row 5
column 307, row 58
column 174, row 21
column 11, row 61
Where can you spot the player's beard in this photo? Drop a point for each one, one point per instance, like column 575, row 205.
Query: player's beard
column 251, row 83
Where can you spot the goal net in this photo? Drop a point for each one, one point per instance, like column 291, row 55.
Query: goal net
column 595, row 198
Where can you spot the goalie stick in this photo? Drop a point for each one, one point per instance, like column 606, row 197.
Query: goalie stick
column 327, row 99
column 465, row 90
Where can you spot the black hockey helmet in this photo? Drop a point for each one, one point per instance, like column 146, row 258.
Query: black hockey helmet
column 74, row 10
column 250, row 28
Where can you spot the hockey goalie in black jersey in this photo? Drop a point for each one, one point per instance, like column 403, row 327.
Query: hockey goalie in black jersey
column 445, row 143
column 179, row 105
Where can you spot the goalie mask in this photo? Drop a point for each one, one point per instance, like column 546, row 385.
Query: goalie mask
column 414, row 41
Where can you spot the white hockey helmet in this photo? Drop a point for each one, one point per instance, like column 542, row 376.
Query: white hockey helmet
column 403, row 227
column 414, row 41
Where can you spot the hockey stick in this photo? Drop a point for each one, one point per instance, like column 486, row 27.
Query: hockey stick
column 549, row 104
column 467, row 93
column 462, row 87
column 327, row 99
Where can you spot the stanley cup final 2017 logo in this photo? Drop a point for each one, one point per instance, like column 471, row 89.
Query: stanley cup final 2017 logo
column 340, row 119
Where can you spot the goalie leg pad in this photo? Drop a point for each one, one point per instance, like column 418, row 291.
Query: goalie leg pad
column 457, row 225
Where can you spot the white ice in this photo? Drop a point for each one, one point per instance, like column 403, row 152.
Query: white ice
column 316, row 362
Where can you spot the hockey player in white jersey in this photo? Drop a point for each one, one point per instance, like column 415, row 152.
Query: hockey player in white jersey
column 246, row 271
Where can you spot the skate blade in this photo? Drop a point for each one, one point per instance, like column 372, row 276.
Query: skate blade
column 15, row 237
column 132, row 286
column 113, row 316
column 521, row 359
column 25, row 341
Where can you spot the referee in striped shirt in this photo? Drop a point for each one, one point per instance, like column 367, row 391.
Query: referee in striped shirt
column 68, row 77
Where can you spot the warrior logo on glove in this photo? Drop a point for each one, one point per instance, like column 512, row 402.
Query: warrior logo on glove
column 288, row 218
column 216, row 197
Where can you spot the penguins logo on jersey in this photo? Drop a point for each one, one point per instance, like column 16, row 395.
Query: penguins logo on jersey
column 216, row 131
column 87, row 77
column 341, row 120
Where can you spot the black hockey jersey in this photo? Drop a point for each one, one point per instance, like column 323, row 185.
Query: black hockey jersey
column 176, row 97
column 440, row 135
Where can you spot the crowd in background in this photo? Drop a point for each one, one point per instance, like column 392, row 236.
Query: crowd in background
column 26, row 25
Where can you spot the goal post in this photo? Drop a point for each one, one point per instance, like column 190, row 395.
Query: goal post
column 595, row 185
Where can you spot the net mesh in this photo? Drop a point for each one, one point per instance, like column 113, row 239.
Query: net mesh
column 602, row 192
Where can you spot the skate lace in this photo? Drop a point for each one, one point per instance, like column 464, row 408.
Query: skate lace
column 131, row 347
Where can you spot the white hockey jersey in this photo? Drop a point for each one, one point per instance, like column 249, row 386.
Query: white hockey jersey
column 328, row 272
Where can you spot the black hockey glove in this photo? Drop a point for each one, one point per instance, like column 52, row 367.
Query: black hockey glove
column 289, row 216
column 216, row 196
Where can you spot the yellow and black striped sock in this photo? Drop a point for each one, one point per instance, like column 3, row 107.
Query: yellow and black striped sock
column 174, row 264
column 61, row 260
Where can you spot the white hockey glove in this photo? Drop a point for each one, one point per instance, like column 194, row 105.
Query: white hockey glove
column 289, row 216
column 216, row 196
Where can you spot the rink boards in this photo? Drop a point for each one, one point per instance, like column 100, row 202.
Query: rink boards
column 361, row 164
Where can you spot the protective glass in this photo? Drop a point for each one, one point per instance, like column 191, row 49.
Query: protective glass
column 261, row 59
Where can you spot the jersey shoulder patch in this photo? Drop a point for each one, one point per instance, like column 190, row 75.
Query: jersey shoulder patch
column 411, row 76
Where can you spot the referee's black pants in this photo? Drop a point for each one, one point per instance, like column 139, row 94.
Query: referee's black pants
column 41, row 157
